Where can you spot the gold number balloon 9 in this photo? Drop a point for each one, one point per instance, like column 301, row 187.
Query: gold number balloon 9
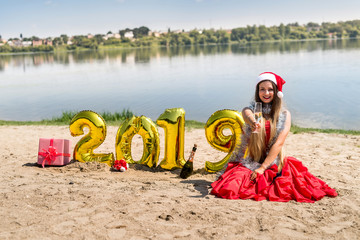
column 84, row 148
column 173, row 122
column 146, row 128
column 218, row 121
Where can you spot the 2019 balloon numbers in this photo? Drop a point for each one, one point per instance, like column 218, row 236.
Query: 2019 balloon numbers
column 173, row 122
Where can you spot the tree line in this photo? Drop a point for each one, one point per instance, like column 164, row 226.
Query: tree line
column 294, row 31
column 141, row 38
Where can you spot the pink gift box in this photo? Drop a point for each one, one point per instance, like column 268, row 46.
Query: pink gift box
column 55, row 152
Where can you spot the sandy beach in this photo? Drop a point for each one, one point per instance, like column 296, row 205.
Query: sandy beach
column 89, row 201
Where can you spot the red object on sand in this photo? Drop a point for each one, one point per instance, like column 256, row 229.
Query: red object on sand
column 121, row 165
column 55, row 152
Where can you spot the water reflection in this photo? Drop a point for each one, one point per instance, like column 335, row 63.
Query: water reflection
column 145, row 55
column 321, row 75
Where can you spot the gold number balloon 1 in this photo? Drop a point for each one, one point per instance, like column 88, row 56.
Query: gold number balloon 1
column 173, row 122
column 146, row 128
column 84, row 148
column 214, row 127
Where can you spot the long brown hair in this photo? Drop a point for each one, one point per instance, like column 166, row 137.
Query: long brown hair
column 257, row 148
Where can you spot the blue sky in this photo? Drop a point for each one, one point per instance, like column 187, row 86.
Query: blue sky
column 52, row 18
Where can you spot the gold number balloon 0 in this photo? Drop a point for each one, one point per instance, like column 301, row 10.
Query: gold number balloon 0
column 173, row 121
column 214, row 127
column 146, row 128
column 84, row 148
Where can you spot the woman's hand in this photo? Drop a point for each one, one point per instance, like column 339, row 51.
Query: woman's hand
column 255, row 126
column 254, row 174
column 248, row 116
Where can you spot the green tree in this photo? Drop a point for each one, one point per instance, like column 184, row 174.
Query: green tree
column 264, row 33
column 5, row 48
column 282, row 30
column 34, row 38
column 312, row 24
column 57, row 41
column 354, row 33
column 64, row 38
column 195, row 35
column 222, row 36
column 185, row 39
column 141, row 32
column 125, row 40
column 122, row 33
column 321, row 34
column 83, row 41
column 202, row 39
column 256, row 31
column 112, row 41
column 287, row 31
column 239, row 34
column 210, row 36
column 99, row 38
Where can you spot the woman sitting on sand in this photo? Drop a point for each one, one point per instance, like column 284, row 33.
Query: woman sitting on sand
column 265, row 173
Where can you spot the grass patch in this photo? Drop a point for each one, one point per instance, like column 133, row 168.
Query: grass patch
column 25, row 123
column 110, row 118
column 65, row 118
column 113, row 119
column 117, row 118
column 296, row 129
column 194, row 124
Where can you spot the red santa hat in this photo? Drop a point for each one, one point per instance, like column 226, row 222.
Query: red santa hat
column 121, row 165
column 275, row 79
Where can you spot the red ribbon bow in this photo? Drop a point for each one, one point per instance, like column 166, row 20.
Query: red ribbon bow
column 50, row 154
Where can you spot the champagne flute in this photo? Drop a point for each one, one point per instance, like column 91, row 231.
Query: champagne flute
column 257, row 114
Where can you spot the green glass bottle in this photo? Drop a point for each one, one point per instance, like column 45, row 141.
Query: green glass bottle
column 187, row 169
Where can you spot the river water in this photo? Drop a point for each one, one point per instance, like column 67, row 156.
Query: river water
column 321, row 90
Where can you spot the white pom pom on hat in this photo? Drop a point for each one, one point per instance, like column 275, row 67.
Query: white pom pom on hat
column 279, row 82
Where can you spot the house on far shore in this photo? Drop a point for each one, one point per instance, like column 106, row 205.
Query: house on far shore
column 112, row 35
column 331, row 35
column 40, row 42
column 15, row 43
column 70, row 40
column 89, row 36
column 155, row 34
column 26, row 43
column 48, row 42
column 37, row 43
column 129, row 35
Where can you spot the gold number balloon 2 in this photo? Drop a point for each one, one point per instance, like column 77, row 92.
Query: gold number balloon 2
column 214, row 127
column 173, row 121
column 149, row 133
column 83, row 150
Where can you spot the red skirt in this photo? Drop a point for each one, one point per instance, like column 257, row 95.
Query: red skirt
column 294, row 183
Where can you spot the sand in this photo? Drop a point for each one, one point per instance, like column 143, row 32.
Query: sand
column 89, row 201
